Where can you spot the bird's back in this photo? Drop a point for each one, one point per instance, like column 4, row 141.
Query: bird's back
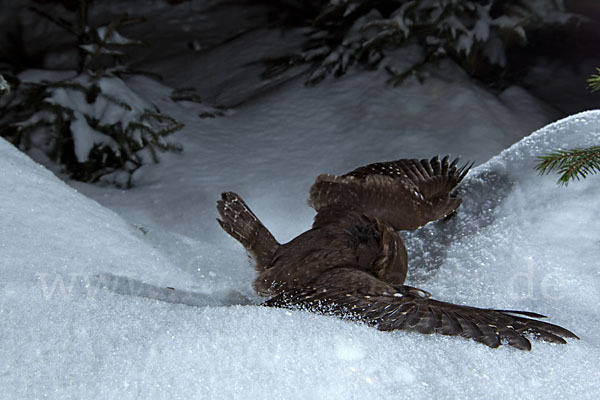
column 352, row 241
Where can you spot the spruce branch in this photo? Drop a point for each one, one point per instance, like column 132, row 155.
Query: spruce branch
column 106, row 40
column 477, row 34
column 186, row 94
column 4, row 86
column 61, row 22
column 416, row 70
column 85, row 140
column 573, row 164
column 594, row 81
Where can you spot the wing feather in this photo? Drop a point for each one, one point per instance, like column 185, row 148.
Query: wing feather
column 408, row 310
column 406, row 193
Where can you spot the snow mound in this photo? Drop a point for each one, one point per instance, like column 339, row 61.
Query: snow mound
column 114, row 328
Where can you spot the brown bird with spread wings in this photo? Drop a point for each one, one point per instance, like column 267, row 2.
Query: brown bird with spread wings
column 353, row 263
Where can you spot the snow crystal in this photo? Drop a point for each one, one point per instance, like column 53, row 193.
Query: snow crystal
column 347, row 350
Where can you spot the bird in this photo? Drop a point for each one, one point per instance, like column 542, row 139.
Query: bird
column 353, row 264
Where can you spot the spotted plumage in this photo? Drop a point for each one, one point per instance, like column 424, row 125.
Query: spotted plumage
column 353, row 263
column 406, row 194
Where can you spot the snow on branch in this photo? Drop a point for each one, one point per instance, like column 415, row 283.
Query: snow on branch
column 472, row 32
column 4, row 86
column 89, row 121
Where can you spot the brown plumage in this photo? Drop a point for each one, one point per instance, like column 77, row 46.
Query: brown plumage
column 406, row 194
column 241, row 223
column 353, row 263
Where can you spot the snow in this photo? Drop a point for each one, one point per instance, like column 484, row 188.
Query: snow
column 4, row 86
column 110, row 36
column 115, row 104
column 118, row 330
column 106, row 293
column 84, row 137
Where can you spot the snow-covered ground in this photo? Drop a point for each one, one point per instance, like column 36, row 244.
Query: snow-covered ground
column 106, row 293
column 87, row 310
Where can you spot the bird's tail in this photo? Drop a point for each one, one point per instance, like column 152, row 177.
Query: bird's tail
column 240, row 222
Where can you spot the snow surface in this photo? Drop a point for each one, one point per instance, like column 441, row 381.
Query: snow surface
column 116, row 330
column 86, row 303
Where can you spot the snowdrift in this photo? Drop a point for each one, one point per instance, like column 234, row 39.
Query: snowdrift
column 87, row 308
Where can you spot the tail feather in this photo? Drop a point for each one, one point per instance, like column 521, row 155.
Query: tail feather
column 240, row 222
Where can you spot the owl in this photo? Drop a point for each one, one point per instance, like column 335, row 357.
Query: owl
column 353, row 263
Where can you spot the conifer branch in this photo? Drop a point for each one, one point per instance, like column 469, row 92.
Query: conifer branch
column 61, row 22
column 476, row 34
column 91, row 140
column 573, row 164
column 594, row 81
column 4, row 86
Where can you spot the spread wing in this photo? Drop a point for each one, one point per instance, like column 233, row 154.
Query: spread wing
column 406, row 193
column 358, row 295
